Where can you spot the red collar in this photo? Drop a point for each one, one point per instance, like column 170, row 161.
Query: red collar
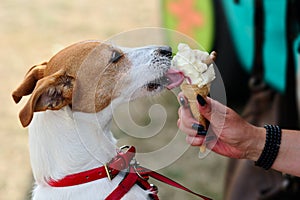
column 136, row 175
column 120, row 162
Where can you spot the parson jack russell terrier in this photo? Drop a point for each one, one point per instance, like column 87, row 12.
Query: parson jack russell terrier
column 70, row 109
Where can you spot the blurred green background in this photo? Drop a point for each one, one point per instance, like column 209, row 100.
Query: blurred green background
column 31, row 32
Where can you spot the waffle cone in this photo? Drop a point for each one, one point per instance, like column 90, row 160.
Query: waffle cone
column 191, row 92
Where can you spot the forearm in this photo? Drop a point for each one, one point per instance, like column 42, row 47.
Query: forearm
column 288, row 158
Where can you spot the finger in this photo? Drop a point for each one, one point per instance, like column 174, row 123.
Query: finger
column 186, row 119
column 182, row 100
column 185, row 109
column 199, row 128
column 195, row 141
column 184, row 123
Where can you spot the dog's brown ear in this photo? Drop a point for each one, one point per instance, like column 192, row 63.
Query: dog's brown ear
column 33, row 75
column 51, row 92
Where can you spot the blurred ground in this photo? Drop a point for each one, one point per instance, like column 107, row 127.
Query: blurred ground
column 30, row 33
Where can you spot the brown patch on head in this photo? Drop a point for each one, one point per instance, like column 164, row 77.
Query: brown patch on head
column 84, row 75
column 97, row 79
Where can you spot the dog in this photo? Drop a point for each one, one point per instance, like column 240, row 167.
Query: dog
column 70, row 110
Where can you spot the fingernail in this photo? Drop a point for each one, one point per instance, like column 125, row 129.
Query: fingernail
column 199, row 128
column 182, row 101
column 203, row 133
column 201, row 100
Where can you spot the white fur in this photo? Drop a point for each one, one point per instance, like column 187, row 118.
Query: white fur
column 64, row 142
column 57, row 149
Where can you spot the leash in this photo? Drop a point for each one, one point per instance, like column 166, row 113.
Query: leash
column 136, row 174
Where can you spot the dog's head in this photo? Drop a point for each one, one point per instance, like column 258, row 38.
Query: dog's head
column 89, row 75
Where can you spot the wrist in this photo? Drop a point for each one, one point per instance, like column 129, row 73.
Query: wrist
column 257, row 143
column 271, row 148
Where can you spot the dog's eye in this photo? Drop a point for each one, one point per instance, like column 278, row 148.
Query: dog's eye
column 115, row 57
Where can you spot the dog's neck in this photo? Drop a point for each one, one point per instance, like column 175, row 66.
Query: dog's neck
column 64, row 142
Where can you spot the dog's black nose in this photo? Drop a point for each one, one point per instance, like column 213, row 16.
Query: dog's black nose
column 165, row 51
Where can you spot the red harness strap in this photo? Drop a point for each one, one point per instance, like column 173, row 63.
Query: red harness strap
column 124, row 186
column 170, row 182
column 136, row 175
column 140, row 175
column 120, row 162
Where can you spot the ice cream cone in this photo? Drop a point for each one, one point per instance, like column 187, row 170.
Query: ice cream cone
column 191, row 91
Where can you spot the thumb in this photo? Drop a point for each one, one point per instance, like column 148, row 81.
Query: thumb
column 211, row 109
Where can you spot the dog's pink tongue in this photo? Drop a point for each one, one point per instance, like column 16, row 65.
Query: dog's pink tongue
column 175, row 77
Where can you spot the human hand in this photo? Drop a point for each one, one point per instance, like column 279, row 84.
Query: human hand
column 234, row 137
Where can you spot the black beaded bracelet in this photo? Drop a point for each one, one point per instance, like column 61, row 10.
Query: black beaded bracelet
column 271, row 148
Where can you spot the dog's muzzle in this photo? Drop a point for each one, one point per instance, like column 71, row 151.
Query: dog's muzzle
column 172, row 78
